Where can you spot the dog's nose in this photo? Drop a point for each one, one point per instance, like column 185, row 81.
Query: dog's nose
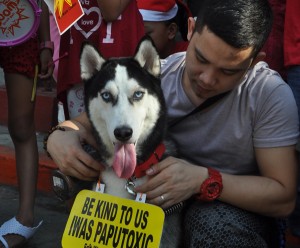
column 123, row 133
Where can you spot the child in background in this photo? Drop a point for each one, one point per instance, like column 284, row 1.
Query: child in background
column 163, row 20
column 113, row 26
column 274, row 45
column 19, row 64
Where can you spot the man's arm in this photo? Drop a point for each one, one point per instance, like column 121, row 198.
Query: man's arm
column 274, row 192
column 65, row 148
column 271, row 194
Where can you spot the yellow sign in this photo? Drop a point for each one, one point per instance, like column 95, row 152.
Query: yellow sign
column 101, row 220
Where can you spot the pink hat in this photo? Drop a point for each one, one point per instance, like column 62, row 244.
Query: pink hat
column 157, row 10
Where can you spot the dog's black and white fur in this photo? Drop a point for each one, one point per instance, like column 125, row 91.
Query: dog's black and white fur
column 126, row 107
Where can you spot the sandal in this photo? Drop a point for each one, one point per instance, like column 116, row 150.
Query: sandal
column 13, row 226
column 66, row 187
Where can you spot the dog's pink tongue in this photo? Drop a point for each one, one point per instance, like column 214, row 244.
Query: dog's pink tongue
column 124, row 160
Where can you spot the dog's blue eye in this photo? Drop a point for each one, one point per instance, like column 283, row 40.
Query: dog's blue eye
column 138, row 95
column 106, row 96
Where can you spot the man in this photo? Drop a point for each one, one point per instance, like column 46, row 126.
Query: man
column 237, row 165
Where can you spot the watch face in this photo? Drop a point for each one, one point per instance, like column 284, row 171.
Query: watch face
column 212, row 187
column 210, row 190
column 213, row 190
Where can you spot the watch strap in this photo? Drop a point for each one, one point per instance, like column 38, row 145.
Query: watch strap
column 212, row 187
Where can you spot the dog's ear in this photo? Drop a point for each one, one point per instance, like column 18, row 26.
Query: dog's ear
column 147, row 56
column 90, row 61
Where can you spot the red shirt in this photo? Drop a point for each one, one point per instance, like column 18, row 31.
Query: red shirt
column 113, row 39
column 292, row 33
column 274, row 44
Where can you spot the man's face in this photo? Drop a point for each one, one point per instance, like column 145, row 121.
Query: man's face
column 212, row 66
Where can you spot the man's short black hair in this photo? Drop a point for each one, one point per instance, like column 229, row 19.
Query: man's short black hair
column 240, row 23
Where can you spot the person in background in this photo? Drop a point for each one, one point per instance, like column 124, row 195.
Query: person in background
column 237, row 163
column 274, row 45
column 108, row 25
column 292, row 64
column 163, row 21
column 19, row 64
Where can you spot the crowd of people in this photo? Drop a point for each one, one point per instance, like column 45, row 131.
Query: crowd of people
column 244, row 68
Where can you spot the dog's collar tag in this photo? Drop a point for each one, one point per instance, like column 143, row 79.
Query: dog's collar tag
column 99, row 187
column 140, row 197
column 129, row 186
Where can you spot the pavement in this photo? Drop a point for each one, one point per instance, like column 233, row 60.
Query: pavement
column 48, row 208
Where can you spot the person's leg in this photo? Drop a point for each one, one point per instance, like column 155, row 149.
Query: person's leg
column 293, row 79
column 22, row 130
column 217, row 224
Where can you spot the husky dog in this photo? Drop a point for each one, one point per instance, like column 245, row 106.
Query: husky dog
column 125, row 105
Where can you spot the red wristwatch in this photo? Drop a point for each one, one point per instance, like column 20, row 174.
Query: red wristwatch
column 212, row 187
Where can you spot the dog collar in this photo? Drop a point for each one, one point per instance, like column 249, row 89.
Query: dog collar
column 155, row 157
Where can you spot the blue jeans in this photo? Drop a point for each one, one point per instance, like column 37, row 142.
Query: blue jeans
column 293, row 79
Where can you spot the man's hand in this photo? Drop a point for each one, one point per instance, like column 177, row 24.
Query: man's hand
column 171, row 181
column 66, row 150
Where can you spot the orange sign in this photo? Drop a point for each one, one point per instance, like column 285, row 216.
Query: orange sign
column 66, row 13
